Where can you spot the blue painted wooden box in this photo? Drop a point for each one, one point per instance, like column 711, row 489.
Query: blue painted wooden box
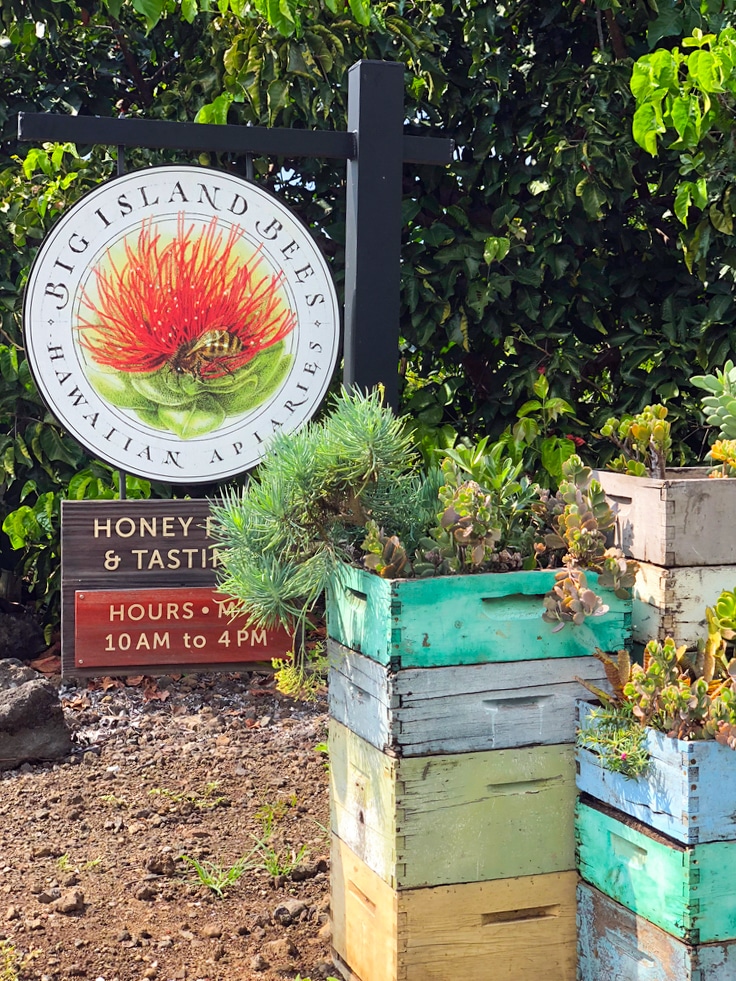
column 614, row 943
column 688, row 791
column 687, row 890
column 463, row 619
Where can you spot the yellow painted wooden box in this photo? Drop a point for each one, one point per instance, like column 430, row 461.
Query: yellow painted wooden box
column 460, row 817
column 520, row 929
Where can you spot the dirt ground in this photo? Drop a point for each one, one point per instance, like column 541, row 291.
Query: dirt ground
column 97, row 853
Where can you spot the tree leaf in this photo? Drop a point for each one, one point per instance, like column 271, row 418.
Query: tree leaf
column 361, row 11
column 554, row 452
column 151, row 10
column 647, row 126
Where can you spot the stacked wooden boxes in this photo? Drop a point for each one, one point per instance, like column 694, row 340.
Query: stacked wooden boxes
column 657, row 856
column 682, row 532
column 452, row 776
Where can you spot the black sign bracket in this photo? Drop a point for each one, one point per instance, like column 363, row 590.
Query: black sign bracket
column 375, row 149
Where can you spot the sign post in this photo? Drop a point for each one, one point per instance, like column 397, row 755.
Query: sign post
column 175, row 318
column 363, row 143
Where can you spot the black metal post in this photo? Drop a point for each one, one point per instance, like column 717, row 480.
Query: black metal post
column 122, row 476
column 373, row 227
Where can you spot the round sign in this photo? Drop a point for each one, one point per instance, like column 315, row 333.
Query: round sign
column 175, row 318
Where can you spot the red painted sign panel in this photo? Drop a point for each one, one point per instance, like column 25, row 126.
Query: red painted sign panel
column 118, row 628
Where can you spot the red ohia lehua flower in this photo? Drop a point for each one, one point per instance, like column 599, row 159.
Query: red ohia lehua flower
column 193, row 304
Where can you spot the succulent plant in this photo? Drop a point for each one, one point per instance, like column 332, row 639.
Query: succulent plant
column 616, row 572
column 684, row 693
column 386, row 555
column 723, row 451
column 468, row 521
column 720, row 405
column 644, row 441
column 434, row 559
column 571, row 600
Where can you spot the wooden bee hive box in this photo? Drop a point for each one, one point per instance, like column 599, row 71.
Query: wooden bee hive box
column 469, row 619
column 684, row 520
column 513, row 929
column 687, row 793
column 688, row 891
column 464, row 817
column 615, row 943
column 458, row 708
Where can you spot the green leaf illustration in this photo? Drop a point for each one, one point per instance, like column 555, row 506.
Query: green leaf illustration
column 196, row 419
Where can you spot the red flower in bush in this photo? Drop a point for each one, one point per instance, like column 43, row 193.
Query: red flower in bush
column 193, row 304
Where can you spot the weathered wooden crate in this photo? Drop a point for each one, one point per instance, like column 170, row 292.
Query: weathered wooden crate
column 461, row 817
column 462, row 619
column 615, row 943
column 684, row 520
column 688, row 792
column 687, row 890
column 510, row 930
column 672, row 602
column 460, row 708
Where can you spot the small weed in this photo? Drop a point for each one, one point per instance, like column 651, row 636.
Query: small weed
column 268, row 815
column 324, row 750
column 323, row 828
column 300, row 978
column 201, row 801
column 112, row 801
column 303, row 676
column 218, row 878
column 13, row 964
column 277, row 863
column 64, row 864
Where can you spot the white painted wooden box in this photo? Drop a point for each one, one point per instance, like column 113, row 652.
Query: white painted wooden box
column 686, row 519
column 672, row 602
column 688, row 791
column 459, row 708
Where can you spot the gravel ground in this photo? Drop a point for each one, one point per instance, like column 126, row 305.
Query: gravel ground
column 99, row 852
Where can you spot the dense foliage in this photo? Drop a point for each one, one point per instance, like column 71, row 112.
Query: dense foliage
column 550, row 247
column 685, row 99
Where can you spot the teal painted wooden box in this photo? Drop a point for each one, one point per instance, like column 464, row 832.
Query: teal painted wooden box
column 463, row 619
column 614, row 943
column 688, row 791
column 688, row 891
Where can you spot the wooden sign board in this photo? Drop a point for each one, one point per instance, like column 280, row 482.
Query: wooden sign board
column 159, row 560
column 145, row 628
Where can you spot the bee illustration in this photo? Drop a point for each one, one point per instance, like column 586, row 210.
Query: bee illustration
column 194, row 356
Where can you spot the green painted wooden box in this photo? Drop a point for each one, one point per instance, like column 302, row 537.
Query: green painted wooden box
column 463, row 619
column 689, row 891
column 616, row 944
column 461, row 817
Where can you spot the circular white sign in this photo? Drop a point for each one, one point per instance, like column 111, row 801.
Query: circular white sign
column 175, row 318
